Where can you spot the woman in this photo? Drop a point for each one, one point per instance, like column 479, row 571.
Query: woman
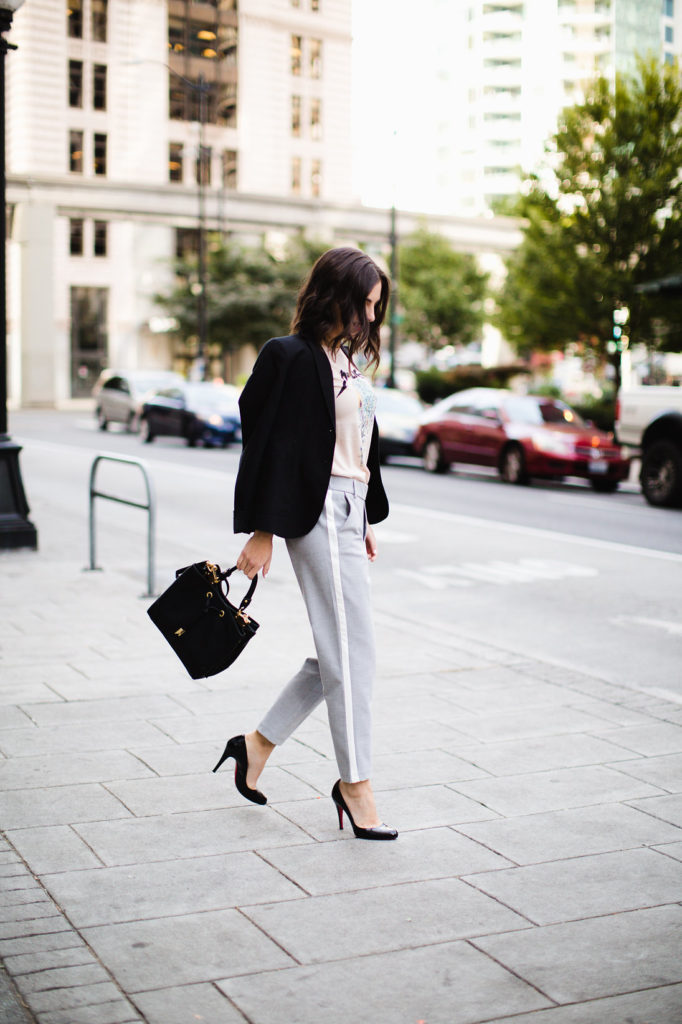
column 309, row 472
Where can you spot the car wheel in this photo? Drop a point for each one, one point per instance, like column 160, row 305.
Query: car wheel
column 192, row 441
column 661, row 475
column 513, row 466
column 604, row 486
column 433, row 457
column 146, row 433
column 102, row 421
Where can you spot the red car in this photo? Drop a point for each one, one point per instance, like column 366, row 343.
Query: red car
column 521, row 435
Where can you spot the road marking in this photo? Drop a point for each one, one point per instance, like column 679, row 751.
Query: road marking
column 534, row 531
column 672, row 628
column 525, row 570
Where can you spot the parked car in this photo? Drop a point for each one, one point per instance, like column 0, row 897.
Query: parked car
column 649, row 422
column 119, row 394
column 199, row 411
column 398, row 417
column 522, row 436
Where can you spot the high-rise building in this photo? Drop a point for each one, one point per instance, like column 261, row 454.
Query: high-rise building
column 132, row 122
column 526, row 60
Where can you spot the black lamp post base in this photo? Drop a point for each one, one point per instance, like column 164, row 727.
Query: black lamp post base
column 16, row 529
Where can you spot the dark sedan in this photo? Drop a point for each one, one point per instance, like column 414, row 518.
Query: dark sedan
column 522, row 436
column 199, row 412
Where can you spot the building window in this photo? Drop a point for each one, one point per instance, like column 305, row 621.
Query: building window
column 76, row 236
column 316, row 58
column 98, row 14
column 669, row 59
column 668, row 33
column 202, row 167
column 175, row 161
column 230, row 168
column 316, row 119
column 74, row 18
column 296, row 116
column 316, row 178
column 76, row 152
column 75, row 83
column 212, row 102
column 296, row 54
column 100, row 238
column 99, row 165
column 186, row 242
column 668, row 8
column 99, row 86
column 314, row 5
column 89, row 340
column 296, row 176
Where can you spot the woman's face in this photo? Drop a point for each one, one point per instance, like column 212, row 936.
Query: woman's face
column 370, row 302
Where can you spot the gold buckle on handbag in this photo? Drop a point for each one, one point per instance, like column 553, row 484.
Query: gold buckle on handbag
column 213, row 569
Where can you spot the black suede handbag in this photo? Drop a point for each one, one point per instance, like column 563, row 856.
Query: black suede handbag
column 204, row 629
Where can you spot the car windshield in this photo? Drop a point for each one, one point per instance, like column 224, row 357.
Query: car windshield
column 538, row 411
column 210, row 396
column 405, row 405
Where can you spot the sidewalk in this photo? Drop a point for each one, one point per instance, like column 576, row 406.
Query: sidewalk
column 537, row 877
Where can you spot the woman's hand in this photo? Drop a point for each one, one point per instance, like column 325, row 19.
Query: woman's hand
column 370, row 544
column 256, row 555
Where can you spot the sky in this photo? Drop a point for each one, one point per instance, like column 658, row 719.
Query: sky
column 405, row 98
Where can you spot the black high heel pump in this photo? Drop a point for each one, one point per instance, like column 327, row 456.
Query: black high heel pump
column 379, row 832
column 236, row 748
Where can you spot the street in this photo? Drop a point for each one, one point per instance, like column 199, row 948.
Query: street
column 589, row 582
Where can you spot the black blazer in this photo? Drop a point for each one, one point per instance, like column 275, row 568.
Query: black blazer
column 288, row 433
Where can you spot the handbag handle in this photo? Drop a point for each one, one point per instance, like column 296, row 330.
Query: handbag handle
column 246, row 601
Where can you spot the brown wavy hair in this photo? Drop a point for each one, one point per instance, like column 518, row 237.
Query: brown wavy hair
column 331, row 303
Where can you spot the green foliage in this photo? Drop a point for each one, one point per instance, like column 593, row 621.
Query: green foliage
column 441, row 291
column 600, row 411
column 250, row 295
column 432, row 385
column 608, row 219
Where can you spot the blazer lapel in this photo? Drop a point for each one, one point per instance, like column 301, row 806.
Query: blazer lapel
column 324, row 372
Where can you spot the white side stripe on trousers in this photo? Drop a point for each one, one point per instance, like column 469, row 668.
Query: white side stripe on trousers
column 343, row 634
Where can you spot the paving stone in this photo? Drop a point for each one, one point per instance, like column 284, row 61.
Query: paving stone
column 395, row 771
column 188, row 759
column 107, row 709
column 36, row 944
column 195, row 834
column 13, row 718
column 348, row 866
column 94, row 736
column 118, row 1011
column 20, row 881
column 446, row 984
column 650, row 740
column 664, row 772
column 522, row 693
column 654, row 1006
column 53, row 848
column 35, row 911
column 188, row 1003
column 423, row 734
column 23, row 808
column 70, row 998
column 11, row 871
column 618, row 714
column 61, row 977
column 16, row 897
column 185, row 949
column 395, row 917
column 526, row 722
column 69, row 769
column 584, row 886
column 671, row 850
column 556, row 835
column 542, row 753
column 35, row 926
column 554, row 790
column 29, row 963
column 669, row 808
column 595, row 958
column 110, row 895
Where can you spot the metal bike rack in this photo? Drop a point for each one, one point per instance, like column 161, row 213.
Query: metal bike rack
column 149, row 507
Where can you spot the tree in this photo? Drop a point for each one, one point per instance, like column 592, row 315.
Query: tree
column 608, row 217
column 441, row 291
column 250, row 295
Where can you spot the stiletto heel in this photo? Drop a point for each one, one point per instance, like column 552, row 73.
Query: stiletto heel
column 379, row 832
column 236, row 748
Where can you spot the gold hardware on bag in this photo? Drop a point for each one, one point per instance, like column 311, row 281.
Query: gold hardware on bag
column 209, row 593
column 213, row 569
column 179, row 632
column 245, row 618
column 221, row 615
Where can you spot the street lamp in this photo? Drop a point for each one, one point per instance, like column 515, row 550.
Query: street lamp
column 16, row 530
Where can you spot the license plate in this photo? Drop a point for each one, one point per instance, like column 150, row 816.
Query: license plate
column 598, row 466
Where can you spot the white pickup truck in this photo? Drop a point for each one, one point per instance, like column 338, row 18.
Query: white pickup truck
column 649, row 421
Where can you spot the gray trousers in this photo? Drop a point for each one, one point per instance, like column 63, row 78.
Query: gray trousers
column 332, row 570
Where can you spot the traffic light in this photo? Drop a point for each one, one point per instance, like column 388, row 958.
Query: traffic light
column 620, row 317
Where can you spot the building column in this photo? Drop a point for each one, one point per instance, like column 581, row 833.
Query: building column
column 32, row 314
